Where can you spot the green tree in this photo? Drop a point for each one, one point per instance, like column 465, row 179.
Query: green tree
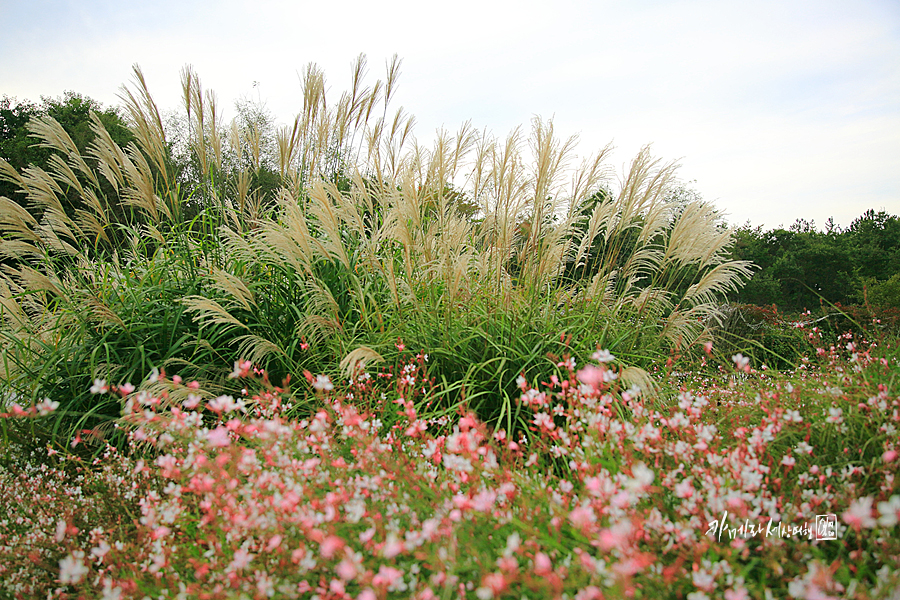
column 73, row 111
column 16, row 147
column 875, row 239
column 801, row 267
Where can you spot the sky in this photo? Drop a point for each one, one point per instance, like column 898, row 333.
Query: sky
column 775, row 109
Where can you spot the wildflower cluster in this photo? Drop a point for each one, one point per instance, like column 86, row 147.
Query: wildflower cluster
column 609, row 494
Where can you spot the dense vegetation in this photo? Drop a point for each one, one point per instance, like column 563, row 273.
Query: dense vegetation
column 802, row 268
column 487, row 254
column 512, row 375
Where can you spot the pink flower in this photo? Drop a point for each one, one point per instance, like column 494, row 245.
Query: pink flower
column 330, row 546
column 484, row 500
column 544, row 421
column 542, row 564
column 336, row 586
column 386, row 576
column 218, row 437
column 739, row 593
column 859, row 514
column 392, row 546
column 582, row 517
column 240, row 561
column 274, row 542
column 684, row 489
column 18, row 411
column 346, row 570
column 417, row 427
column 494, row 582
column 241, row 369
column 590, row 375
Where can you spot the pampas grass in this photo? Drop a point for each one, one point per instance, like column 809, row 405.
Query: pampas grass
column 476, row 244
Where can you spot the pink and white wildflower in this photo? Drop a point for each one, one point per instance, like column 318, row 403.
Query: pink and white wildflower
column 72, row 568
column 859, row 515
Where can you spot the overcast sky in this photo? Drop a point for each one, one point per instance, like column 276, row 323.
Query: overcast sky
column 776, row 110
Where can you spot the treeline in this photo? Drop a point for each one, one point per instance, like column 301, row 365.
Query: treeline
column 803, row 268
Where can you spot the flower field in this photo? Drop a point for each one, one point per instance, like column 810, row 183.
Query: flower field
column 708, row 490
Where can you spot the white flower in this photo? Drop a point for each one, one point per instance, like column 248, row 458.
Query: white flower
column 642, row 476
column 323, row 384
column 793, row 416
column 512, row 544
column 603, row 356
column 803, row 448
column 741, row 361
column 110, row 592
column 889, row 511
column 72, row 568
column 860, row 513
column 99, row 387
column 46, row 406
column 241, row 560
column 60, row 531
column 100, row 551
column 836, row 415
column 226, row 404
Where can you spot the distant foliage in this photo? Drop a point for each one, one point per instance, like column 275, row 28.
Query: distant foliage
column 802, row 268
column 21, row 148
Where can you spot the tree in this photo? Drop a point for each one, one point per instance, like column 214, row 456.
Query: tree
column 16, row 147
column 73, row 111
column 875, row 238
column 801, row 267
